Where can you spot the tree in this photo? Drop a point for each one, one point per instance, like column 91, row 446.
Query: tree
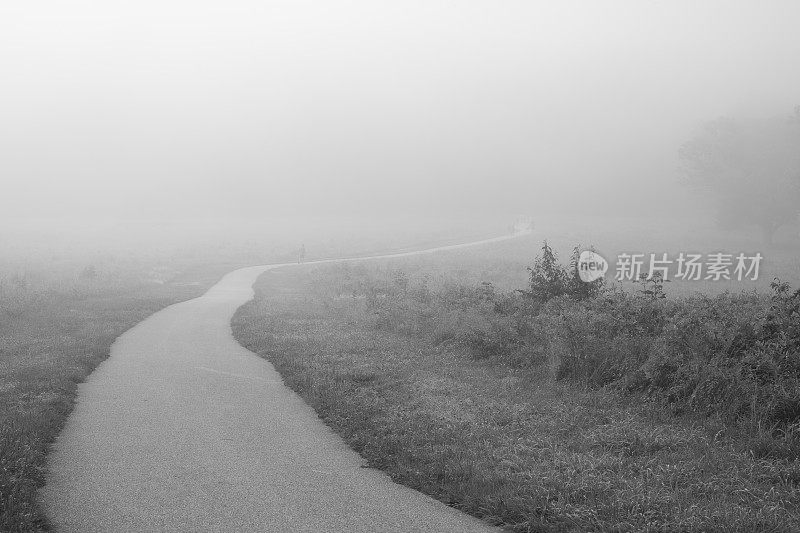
column 750, row 169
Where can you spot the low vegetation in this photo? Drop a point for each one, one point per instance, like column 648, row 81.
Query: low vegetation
column 561, row 406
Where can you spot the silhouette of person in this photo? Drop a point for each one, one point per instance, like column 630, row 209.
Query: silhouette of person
column 301, row 254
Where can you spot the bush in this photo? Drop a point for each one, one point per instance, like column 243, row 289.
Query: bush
column 603, row 340
column 548, row 279
column 733, row 355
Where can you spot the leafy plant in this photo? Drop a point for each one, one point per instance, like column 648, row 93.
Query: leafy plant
column 548, row 279
column 575, row 286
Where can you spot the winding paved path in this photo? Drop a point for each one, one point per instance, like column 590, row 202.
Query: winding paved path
column 182, row 429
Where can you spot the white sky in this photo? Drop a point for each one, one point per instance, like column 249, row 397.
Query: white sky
column 149, row 108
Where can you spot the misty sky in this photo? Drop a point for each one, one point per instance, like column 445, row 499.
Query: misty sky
column 173, row 108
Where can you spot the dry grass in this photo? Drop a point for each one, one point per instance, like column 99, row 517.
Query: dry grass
column 510, row 446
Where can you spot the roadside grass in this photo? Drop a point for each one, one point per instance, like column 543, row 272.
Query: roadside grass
column 505, row 444
column 52, row 335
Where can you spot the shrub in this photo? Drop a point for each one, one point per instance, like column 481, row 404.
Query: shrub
column 733, row 355
column 548, row 279
column 575, row 286
column 603, row 340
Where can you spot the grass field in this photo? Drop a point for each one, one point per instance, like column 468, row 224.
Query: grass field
column 63, row 305
column 507, row 444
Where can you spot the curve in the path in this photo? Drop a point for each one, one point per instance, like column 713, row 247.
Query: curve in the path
column 182, row 429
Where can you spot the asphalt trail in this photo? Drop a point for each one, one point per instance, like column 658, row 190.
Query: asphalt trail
column 182, row 429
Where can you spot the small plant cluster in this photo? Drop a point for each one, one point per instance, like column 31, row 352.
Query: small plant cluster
column 549, row 279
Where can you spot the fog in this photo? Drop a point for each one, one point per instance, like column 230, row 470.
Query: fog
column 246, row 109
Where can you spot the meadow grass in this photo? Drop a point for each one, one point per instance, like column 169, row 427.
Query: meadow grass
column 508, row 444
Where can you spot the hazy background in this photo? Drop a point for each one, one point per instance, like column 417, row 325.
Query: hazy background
column 173, row 109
